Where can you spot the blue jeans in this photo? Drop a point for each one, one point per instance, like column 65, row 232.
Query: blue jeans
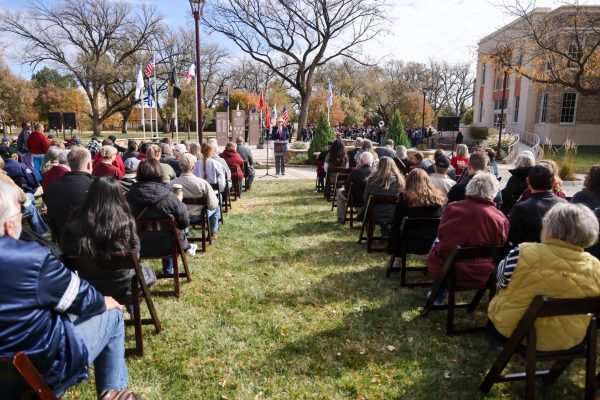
column 104, row 338
column 38, row 163
column 167, row 263
column 213, row 219
column 36, row 221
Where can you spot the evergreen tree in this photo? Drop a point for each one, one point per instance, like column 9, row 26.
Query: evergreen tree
column 323, row 135
column 396, row 131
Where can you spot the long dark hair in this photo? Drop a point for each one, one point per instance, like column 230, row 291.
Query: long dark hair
column 337, row 154
column 103, row 224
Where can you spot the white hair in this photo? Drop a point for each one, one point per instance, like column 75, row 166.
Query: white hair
column 366, row 158
column 9, row 204
column 524, row 160
column 483, row 184
column 401, row 152
column 573, row 223
column 358, row 142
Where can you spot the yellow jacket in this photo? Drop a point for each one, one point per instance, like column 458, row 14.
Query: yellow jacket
column 556, row 269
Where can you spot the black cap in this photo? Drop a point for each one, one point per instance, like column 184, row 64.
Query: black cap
column 442, row 162
column 113, row 138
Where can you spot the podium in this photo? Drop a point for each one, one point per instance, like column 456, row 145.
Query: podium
column 278, row 146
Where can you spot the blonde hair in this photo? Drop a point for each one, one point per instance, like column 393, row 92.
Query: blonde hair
column 194, row 149
column 462, row 150
column 107, row 152
column 420, row 192
column 153, row 151
column 382, row 177
column 558, row 183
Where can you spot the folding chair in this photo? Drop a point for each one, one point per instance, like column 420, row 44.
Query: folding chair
column 340, row 180
column 369, row 221
column 246, row 174
column 355, row 191
column 138, row 283
column 203, row 225
column 542, row 307
column 330, row 180
column 427, row 229
column 148, row 228
column 19, row 368
column 222, row 202
column 447, row 280
column 235, row 186
column 319, row 184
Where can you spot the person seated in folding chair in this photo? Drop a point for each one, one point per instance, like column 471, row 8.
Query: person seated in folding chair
column 336, row 157
column 149, row 198
column 57, row 319
column 472, row 222
column 194, row 187
column 558, row 267
column 246, row 153
column 235, row 162
column 101, row 226
column 357, row 176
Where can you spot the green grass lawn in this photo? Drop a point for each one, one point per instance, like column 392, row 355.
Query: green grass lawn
column 586, row 157
column 286, row 305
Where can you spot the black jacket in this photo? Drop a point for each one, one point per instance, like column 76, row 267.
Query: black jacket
column 419, row 240
column 459, row 190
column 358, row 175
column 65, row 194
column 526, row 217
column 515, row 187
column 162, row 204
column 595, row 249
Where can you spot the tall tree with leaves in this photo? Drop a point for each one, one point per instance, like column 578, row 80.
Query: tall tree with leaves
column 396, row 131
column 295, row 38
column 323, row 135
column 93, row 40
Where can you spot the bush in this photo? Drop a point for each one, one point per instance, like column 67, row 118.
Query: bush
column 297, row 145
column 323, row 135
column 299, row 159
column 492, row 142
column 396, row 131
column 479, row 134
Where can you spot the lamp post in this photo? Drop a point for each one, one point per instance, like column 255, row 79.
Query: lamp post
column 425, row 90
column 498, row 150
column 197, row 7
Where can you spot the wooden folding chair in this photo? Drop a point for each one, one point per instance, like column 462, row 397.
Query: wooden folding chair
column 19, row 368
column 542, row 307
column 320, row 185
column 369, row 221
column 149, row 227
column 204, row 225
column 330, row 180
column 340, row 181
column 246, row 182
column 234, row 191
column 447, row 280
column 355, row 191
column 426, row 226
column 222, row 202
column 138, row 283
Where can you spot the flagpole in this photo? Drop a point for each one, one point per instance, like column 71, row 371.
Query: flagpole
column 197, row 116
column 143, row 117
column 176, row 123
column 155, row 94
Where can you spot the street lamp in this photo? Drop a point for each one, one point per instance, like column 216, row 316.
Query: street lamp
column 425, row 90
column 197, row 7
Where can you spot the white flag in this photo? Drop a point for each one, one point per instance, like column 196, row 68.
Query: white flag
column 275, row 112
column 139, row 85
column 191, row 73
column 329, row 96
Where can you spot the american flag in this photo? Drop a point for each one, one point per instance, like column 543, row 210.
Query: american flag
column 150, row 67
column 285, row 115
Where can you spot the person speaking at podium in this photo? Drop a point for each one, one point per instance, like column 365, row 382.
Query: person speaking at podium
column 281, row 135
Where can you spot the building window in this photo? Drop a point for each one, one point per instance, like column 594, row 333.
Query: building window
column 574, row 53
column 483, row 74
column 498, row 118
column 516, row 115
column 480, row 111
column 498, row 104
column 544, row 108
column 567, row 111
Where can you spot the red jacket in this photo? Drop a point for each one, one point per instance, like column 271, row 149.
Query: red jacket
column 234, row 160
column 38, row 143
column 464, row 162
column 52, row 175
column 103, row 169
column 470, row 222
column 117, row 163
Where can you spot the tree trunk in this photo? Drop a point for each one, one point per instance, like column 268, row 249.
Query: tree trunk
column 126, row 116
column 304, row 100
column 96, row 122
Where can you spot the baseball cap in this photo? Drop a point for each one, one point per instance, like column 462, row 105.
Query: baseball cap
column 131, row 164
column 180, row 149
column 442, row 162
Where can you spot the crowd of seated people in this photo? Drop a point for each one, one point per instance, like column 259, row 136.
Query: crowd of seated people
column 92, row 198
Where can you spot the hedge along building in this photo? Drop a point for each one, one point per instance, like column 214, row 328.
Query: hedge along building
column 551, row 61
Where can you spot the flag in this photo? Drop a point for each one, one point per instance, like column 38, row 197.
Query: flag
column 139, row 85
column 267, row 117
column 150, row 67
column 191, row 73
column 329, row 96
column 285, row 115
column 261, row 102
column 226, row 102
column 175, row 83
column 275, row 113
column 254, row 110
column 150, row 100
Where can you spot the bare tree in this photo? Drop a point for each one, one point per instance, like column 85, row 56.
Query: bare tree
column 295, row 38
column 560, row 47
column 251, row 75
column 91, row 39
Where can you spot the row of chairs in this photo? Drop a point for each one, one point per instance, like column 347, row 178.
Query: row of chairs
column 541, row 307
